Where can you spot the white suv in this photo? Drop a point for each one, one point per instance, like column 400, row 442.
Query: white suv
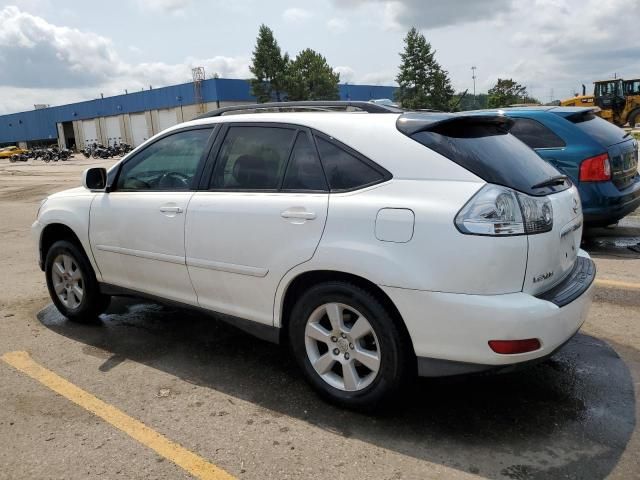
column 377, row 245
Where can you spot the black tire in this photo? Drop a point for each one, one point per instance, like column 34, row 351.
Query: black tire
column 92, row 303
column 633, row 118
column 397, row 361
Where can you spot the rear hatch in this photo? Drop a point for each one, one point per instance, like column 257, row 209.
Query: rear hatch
column 552, row 254
column 483, row 145
column 619, row 145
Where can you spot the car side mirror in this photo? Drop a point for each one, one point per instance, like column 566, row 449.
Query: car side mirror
column 94, row 178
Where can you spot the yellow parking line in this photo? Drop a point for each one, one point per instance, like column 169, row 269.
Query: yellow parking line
column 617, row 284
column 189, row 461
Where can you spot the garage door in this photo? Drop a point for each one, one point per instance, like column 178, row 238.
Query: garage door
column 90, row 132
column 113, row 130
column 138, row 129
column 167, row 118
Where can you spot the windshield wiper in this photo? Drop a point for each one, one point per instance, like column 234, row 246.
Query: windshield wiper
column 557, row 180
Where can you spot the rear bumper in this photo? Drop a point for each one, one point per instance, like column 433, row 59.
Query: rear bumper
column 450, row 332
column 603, row 204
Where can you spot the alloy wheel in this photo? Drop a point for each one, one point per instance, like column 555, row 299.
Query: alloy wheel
column 342, row 347
column 68, row 282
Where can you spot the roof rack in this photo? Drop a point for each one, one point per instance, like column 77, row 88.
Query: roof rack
column 310, row 105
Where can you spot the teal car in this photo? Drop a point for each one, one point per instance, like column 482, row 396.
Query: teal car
column 600, row 158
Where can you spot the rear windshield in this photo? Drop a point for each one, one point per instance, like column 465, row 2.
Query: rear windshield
column 489, row 151
column 600, row 130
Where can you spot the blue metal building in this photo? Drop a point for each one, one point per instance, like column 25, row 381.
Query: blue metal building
column 47, row 124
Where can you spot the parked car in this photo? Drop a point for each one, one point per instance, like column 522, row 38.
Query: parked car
column 600, row 158
column 7, row 152
column 376, row 245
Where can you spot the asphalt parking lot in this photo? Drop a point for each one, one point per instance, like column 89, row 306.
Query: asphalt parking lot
column 155, row 392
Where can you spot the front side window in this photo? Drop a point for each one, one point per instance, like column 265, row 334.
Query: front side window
column 168, row 164
column 253, row 158
column 345, row 171
column 535, row 134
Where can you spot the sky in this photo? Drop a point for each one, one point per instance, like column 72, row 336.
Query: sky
column 61, row 51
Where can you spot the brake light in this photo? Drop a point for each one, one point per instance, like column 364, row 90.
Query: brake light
column 595, row 169
column 509, row 347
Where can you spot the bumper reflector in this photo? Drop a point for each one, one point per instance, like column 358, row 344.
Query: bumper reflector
column 510, row 347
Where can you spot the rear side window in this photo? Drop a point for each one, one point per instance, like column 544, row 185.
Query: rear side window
column 535, row 134
column 603, row 132
column 304, row 171
column 344, row 170
column 253, row 158
column 489, row 151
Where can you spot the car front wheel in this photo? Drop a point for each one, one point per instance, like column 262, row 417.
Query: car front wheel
column 72, row 283
column 349, row 346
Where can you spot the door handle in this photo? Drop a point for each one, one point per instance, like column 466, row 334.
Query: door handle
column 299, row 214
column 171, row 209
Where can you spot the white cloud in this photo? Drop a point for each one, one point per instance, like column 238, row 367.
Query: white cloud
column 296, row 15
column 350, row 75
column 347, row 74
column 176, row 7
column 45, row 63
column 337, row 25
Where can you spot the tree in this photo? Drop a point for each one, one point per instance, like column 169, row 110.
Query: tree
column 309, row 77
column 507, row 92
column 268, row 67
column 423, row 83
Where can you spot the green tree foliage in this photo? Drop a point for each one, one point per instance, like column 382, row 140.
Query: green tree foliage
column 508, row 92
column 268, row 67
column 423, row 83
column 309, row 77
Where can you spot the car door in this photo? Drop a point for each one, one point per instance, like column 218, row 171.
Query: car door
column 263, row 213
column 137, row 229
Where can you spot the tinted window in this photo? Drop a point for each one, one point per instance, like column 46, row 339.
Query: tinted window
column 253, row 158
column 304, row 171
column 489, row 151
column 600, row 130
column 535, row 134
column 345, row 171
column 168, row 164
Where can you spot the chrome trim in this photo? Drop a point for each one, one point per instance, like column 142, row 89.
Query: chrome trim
column 162, row 257
column 227, row 267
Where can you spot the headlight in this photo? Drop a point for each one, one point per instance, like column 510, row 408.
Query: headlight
column 496, row 210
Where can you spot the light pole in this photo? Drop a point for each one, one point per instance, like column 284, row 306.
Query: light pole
column 473, row 75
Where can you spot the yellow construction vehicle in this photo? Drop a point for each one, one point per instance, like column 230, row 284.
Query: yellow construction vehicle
column 619, row 100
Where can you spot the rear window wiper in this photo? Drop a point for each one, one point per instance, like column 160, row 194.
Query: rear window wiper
column 557, row 180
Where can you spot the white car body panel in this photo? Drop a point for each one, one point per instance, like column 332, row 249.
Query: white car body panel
column 71, row 208
column 239, row 246
column 458, row 327
column 141, row 247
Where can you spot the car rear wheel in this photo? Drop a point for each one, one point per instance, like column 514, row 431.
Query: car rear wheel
column 72, row 283
column 349, row 346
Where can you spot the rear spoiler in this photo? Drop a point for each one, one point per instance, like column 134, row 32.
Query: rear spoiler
column 414, row 122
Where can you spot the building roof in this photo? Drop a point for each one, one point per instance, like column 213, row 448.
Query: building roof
column 40, row 124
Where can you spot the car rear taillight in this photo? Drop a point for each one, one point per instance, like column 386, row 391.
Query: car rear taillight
column 496, row 210
column 510, row 347
column 595, row 169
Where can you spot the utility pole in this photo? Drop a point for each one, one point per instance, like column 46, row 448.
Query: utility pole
column 473, row 76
